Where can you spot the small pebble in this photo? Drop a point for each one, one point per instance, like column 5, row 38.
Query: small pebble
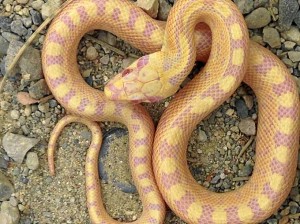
column 91, row 53
column 32, row 160
column 247, row 126
column 15, row 114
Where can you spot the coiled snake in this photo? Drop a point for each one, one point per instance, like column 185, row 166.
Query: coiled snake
column 229, row 58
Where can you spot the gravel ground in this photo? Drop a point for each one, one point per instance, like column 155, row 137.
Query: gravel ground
column 221, row 153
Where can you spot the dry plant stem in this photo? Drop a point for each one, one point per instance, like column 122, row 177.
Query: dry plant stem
column 245, row 147
column 236, row 179
column 28, row 42
column 104, row 44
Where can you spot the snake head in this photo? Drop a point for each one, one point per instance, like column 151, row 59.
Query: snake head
column 140, row 82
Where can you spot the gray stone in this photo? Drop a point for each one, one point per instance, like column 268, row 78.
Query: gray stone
column 16, row 146
column 31, row 63
column 259, row 3
column 295, row 194
column 272, row 221
column 37, row 5
column 248, row 101
column 288, row 62
column 111, row 39
column 32, row 160
column 294, row 56
column 272, row 37
column 293, row 34
column 245, row 6
column 258, row 18
column 18, row 28
column 246, row 171
column 3, row 46
column 241, row 108
column 50, row 7
column 9, row 214
column 215, row 179
column 297, row 19
column 5, row 23
column 13, row 201
column 13, row 48
column 149, row 6
column 2, row 66
column 10, row 36
column 6, row 188
column 3, row 163
column 105, row 59
column 44, row 107
column 36, row 17
column 27, row 22
column 15, row 114
column 247, row 126
column 163, row 10
column 39, row 89
column 287, row 13
column 202, row 137
column 52, row 103
column 289, row 45
column 91, row 53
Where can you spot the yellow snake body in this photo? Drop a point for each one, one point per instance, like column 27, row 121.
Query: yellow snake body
column 277, row 135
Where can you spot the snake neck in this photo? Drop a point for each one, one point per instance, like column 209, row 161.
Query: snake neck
column 179, row 49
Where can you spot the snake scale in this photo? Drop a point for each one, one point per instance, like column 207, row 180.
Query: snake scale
column 160, row 170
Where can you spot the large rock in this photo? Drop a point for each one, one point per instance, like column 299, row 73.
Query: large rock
column 258, row 18
column 287, row 13
column 29, row 63
column 16, row 146
column 272, row 37
column 9, row 214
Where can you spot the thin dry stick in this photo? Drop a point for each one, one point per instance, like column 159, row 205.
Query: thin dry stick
column 104, row 44
column 237, row 179
column 246, row 146
column 28, row 42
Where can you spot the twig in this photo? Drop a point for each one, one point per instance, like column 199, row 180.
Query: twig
column 236, row 179
column 104, row 44
column 133, row 55
column 28, row 42
column 46, row 98
column 246, row 146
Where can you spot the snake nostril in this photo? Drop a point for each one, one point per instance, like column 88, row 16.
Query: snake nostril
column 126, row 72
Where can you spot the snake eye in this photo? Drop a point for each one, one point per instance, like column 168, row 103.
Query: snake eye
column 126, row 72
